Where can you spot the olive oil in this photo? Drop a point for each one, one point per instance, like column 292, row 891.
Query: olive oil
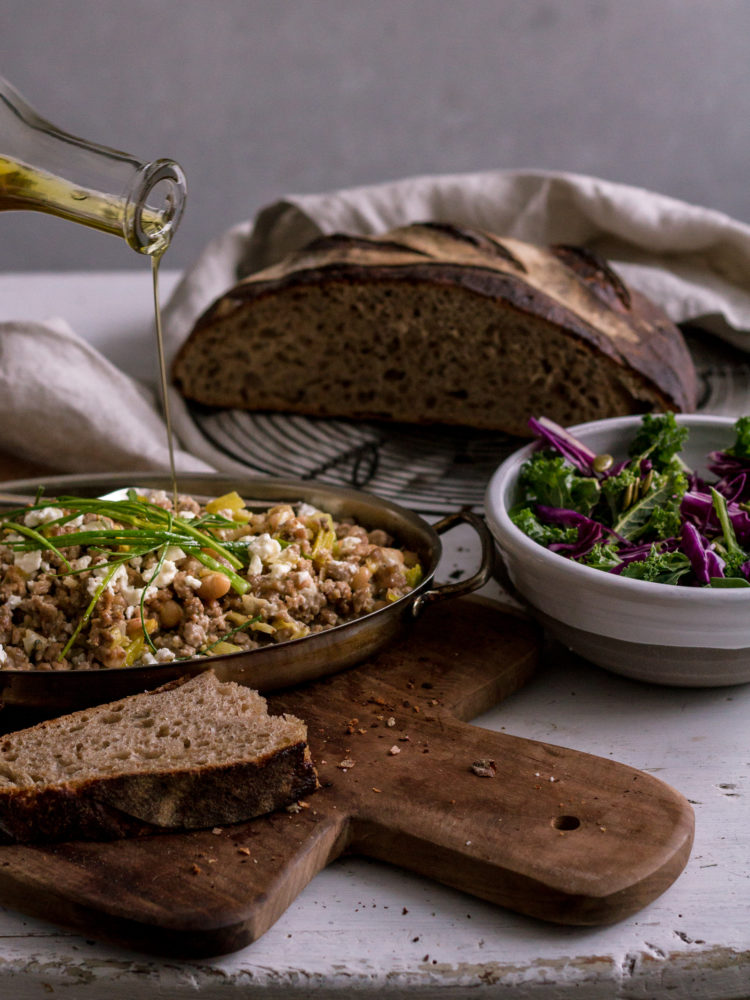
column 146, row 227
column 25, row 187
column 155, row 261
column 46, row 170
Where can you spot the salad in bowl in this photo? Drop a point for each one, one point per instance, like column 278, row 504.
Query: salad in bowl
column 629, row 539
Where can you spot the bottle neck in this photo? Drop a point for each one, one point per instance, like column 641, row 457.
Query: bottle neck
column 44, row 169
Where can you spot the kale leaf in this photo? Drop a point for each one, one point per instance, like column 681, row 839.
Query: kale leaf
column 545, row 534
column 741, row 447
column 655, row 514
column 659, row 567
column 549, row 480
column 660, row 439
column 602, row 556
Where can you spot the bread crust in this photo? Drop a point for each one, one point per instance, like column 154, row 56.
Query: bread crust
column 141, row 802
column 560, row 292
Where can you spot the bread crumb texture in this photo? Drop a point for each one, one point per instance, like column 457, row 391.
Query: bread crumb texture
column 478, row 341
column 196, row 753
column 202, row 723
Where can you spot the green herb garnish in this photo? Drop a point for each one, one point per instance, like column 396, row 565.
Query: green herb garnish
column 131, row 528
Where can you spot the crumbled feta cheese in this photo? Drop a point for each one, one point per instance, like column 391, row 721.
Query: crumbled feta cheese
column 289, row 555
column 349, row 544
column 166, row 574
column 266, row 548
column 119, row 577
column 162, row 656
column 13, row 601
column 307, row 510
column 43, row 516
column 192, row 581
column 133, row 595
column 83, row 562
column 28, row 562
column 169, row 568
column 3, row 656
column 280, row 569
column 304, row 579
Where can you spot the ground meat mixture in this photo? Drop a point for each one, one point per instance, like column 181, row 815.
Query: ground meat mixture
column 202, row 580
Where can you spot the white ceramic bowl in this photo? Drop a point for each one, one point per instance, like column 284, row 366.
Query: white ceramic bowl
column 649, row 631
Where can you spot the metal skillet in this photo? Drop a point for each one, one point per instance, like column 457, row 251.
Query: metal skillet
column 269, row 667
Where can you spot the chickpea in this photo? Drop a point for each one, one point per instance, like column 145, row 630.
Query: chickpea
column 170, row 614
column 213, row 586
column 134, row 625
column 361, row 578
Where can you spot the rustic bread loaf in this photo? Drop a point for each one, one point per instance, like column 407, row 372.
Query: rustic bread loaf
column 436, row 324
column 194, row 753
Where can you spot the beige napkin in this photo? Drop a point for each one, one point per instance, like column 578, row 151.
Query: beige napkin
column 64, row 405
column 694, row 261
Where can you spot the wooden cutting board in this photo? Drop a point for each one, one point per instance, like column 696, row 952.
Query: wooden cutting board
column 544, row 830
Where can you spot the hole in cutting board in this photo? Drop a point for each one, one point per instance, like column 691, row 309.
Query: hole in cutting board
column 566, row 822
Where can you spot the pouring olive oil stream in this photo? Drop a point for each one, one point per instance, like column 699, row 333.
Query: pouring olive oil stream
column 46, row 170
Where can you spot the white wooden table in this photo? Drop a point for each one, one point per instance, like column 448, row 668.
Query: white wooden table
column 363, row 928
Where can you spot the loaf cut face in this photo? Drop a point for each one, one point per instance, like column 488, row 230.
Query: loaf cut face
column 437, row 324
column 194, row 753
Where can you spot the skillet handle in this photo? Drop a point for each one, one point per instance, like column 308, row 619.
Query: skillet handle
column 441, row 591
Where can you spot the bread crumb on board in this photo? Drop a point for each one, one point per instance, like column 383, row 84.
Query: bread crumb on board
column 484, row 768
column 296, row 807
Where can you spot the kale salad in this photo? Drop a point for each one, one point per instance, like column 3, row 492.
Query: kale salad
column 648, row 517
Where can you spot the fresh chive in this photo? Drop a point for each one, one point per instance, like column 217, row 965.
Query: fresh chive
column 113, row 567
column 237, row 628
column 40, row 540
column 239, row 585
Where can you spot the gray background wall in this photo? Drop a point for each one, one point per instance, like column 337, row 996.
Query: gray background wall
column 258, row 98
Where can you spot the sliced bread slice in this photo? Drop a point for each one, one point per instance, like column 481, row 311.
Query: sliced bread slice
column 198, row 752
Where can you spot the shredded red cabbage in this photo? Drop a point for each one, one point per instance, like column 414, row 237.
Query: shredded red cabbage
column 655, row 519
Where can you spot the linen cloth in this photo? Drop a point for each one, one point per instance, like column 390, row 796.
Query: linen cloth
column 65, row 405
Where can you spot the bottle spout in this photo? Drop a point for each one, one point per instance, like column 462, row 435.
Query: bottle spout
column 154, row 208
